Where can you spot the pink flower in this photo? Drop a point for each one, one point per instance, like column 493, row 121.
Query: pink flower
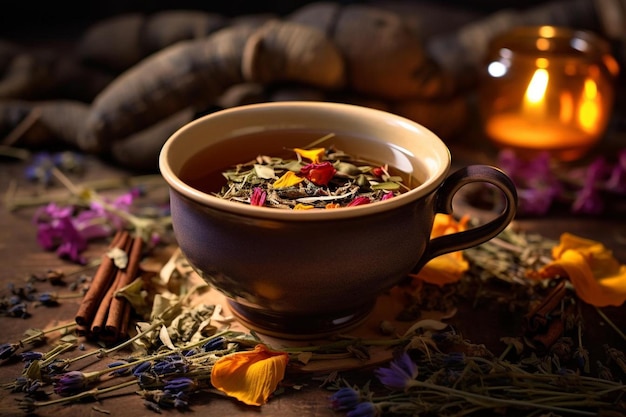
column 387, row 196
column 258, row 197
column 359, row 201
column 69, row 229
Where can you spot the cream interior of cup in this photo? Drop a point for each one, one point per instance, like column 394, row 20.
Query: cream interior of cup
column 236, row 135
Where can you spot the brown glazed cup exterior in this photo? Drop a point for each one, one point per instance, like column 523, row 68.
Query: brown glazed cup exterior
column 310, row 273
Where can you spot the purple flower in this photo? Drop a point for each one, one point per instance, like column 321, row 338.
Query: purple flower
column 7, row 350
column 454, row 358
column 181, row 404
column 19, row 311
column 30, row 356
column 70, row 383
column 345, row 399
column 169, row 367
column 258, row 197
column 119, row 372
column 588, row 199
column 55, row 230
column 141, row 368
column 401, row 371
column 182, row 384
column 216, row 343
column 122, row 203
column 48, row 299
column 537, row 185
column 364, row 409
column 617, row 178
column 40, row 169
column 68, row 230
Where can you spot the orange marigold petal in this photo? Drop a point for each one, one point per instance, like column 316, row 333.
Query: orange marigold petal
column 250, row 376
column 314, row 155
column 288, row 179
column 597, row 277
column 448, row 268
column 444, row 269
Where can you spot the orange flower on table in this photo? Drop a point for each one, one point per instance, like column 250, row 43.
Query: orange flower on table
column 598, row 278
column 250, row 376
column 448, row 268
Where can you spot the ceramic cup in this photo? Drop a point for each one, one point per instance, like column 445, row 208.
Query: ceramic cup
column 311, row 273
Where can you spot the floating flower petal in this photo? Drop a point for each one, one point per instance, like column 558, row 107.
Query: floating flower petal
column 250, row 376
column 319, row 173
column 313, row 155
column 289, row 179
column 359, row 201
column 258, row 197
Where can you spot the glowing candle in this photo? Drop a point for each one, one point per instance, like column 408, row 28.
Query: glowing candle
column 548, row 88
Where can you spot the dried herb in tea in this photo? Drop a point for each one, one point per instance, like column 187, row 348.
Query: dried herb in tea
column 316, row 177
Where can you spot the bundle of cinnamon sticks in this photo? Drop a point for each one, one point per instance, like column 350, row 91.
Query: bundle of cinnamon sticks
column 101, row 314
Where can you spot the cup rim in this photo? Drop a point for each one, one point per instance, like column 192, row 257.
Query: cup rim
column 426, row 187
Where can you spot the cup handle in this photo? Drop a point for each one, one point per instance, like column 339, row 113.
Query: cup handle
column 477, row 235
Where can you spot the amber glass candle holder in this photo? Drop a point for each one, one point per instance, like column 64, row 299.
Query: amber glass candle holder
column 547, row 88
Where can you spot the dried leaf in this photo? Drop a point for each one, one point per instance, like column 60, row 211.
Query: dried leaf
column 135, row 294
column 304, row 357
column 218, row 317
column 164, row 336
column 264, row 171
column 386, row 186
column 428, row 324
column 162, row 302
column 119, row 257
column 35, row 335
column 34, row 370
column 69, row 338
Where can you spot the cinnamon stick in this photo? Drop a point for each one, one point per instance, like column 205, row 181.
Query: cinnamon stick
column 100, row 283
column 102, row 312
column 99, row 320
column 123, row 333
column 538, row 318
column 116, row 316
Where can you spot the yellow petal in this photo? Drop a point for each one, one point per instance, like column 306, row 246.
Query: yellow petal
column 444, row 269
column 597, row 277
column 301, row 206
column 314, row 155
column 250, row 376
column 448, row 268
column 445, row 224
column 288, row 179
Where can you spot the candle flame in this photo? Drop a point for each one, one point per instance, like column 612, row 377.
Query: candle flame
column 537, row 87
column 589, row 112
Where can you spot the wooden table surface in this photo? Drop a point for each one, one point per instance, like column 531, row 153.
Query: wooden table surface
column 302, row 396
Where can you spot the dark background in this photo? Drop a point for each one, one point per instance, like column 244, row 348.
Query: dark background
column 38, row 19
